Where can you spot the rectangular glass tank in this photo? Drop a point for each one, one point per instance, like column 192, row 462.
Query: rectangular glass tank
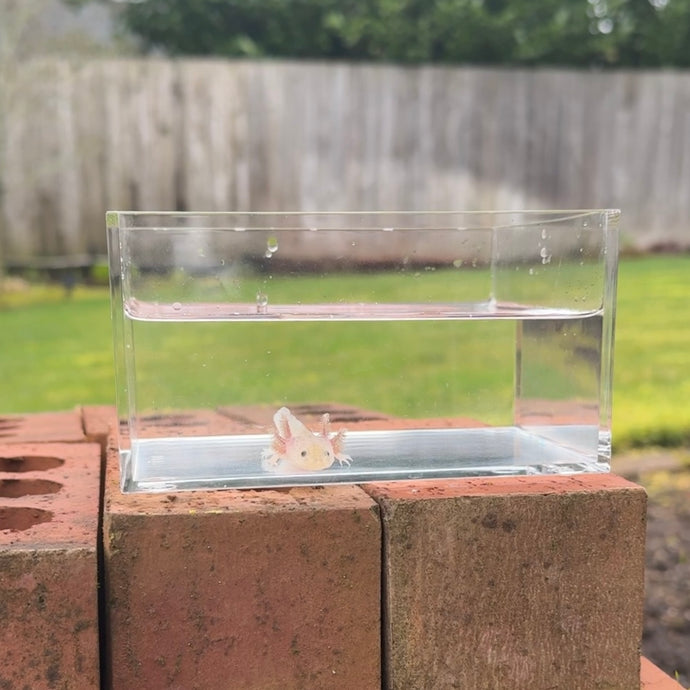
column 266, row 349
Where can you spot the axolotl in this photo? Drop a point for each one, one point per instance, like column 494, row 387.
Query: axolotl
column 297, row 449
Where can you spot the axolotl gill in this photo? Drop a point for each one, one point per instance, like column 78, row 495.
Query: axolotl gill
column 296, row 449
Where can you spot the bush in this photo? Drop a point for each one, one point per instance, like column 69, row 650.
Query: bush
column 635, row 33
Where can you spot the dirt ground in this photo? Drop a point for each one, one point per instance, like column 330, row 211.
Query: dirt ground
column 666, row 638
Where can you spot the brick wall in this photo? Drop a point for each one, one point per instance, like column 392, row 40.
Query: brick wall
column 487, row 583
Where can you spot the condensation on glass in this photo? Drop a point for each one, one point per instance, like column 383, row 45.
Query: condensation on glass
column 266, row 349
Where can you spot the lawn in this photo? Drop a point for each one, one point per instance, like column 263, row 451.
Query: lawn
column 56, row 353
column 651, row 394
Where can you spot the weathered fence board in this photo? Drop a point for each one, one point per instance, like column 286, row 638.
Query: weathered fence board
column 79, row 138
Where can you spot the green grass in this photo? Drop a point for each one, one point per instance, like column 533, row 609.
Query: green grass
column 56, row 353
column 651, row 395
column 396, row 367
column 400, row 368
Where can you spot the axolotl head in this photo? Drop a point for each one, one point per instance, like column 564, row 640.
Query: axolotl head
column 309, row 452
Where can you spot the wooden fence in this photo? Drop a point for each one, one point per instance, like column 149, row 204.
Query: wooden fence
column 80, row 138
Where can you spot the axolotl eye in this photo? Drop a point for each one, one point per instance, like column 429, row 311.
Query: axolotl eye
column 304, row 453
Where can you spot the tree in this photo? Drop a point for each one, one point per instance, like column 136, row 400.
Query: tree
column 634, row 33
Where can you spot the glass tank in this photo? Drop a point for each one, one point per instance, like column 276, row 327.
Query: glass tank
column 283, row 349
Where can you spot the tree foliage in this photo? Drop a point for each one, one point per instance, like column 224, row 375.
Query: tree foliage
column 636, row 33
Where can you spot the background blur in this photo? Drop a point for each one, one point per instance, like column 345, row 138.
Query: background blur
column 321, row 104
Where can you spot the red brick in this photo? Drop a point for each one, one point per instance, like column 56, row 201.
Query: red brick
column 43, row 427
column 242, row 589
column 49, row 506
column 99, row 422
column 252, row 419
column 513, row 582
column 653, row 678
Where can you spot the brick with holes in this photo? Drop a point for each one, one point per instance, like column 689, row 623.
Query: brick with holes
column 49, row 504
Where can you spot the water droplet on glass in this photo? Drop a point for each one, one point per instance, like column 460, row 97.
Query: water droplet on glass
column 176, row 306
column 313, row 229
column 354, row 244
column 457, row 263
column 261, row 303
column 272, row 244
column 531, row 271
column 543, row 233
column 222, row 262
column 388, row 229
column 238, row 229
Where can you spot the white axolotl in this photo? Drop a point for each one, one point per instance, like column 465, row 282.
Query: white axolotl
column 296, row 449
